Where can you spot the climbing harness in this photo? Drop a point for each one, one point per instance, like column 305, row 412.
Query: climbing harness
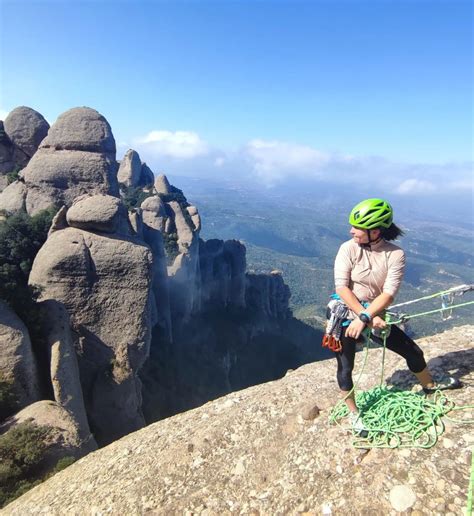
column 395, row 418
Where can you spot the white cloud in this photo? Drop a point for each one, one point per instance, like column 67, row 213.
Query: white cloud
column 274, row 160
column 415, row 186
column 178, row 144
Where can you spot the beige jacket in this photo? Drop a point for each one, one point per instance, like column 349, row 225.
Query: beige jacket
column 369, row 272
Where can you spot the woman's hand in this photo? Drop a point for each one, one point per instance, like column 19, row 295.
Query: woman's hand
column 378, row 322
column 355, row 329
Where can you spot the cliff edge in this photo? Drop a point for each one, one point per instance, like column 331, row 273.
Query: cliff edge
column 263, row 451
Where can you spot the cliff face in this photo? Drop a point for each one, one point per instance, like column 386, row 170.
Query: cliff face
column 149, row 319
column 270, row 449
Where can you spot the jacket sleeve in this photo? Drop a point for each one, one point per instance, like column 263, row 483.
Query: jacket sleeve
column 342, row 267
column 396, row 270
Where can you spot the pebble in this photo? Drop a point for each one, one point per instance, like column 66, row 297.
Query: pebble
column 469, row 438
column 440, row 485
column 310, row 412
column 448, row 443
column 402, row 497
column 239, row 468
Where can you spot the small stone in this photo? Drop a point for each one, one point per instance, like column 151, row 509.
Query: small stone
column 469, row 438
column 326, row 508
column 448, row 443
column 339, row 469
column 440, row 485
column 405, row 452
column 402, row 497
column 239, row 468
column 310, row 412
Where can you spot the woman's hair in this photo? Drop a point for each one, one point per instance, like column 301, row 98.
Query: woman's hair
column 392, row 232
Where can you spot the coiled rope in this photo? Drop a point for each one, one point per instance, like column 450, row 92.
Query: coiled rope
column 395, row 418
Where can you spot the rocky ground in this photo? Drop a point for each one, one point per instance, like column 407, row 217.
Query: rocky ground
column 264, row 451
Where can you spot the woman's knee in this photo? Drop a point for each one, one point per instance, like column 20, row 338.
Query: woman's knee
column 344, row 380
column 416, row 360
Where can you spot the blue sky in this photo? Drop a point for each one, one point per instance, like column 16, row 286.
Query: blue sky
column 277, row 87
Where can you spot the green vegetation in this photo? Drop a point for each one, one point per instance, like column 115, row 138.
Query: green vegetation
column 175, row 195
column 8, row 401
column 22, row 450
column 21, row 237
column 300, row 235
column 170, row 242
column 13, row 175
column 133, row 197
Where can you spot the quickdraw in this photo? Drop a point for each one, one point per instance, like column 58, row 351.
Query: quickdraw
column 330, row 342
column 332, row 337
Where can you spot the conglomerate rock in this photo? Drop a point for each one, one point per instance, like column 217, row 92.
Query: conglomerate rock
column 132, row 172
column 26, row 129
column 20, row 135
column 64, row 438
column 103, row 280
column 18, row 366
column 77, row 157
column 222, row 265
column 64, row 369
column 271, row 449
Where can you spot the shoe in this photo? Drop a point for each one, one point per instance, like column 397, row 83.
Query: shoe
column 448, row 382
column 357, row 425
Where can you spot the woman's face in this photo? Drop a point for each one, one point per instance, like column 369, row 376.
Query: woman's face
column 360, row 235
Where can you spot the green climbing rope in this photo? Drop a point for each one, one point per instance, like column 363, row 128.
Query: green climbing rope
column 395, row 418
column 404, row 318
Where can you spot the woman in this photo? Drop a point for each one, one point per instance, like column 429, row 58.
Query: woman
column 368, row 272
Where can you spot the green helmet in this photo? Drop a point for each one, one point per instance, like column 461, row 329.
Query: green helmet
column 371, row 214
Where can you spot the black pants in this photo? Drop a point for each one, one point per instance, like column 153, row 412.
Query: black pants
column 398, row 342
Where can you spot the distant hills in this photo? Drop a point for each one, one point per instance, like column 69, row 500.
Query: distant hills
column 298, row 231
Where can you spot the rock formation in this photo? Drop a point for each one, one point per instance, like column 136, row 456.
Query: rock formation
column 102, row 275
column 20, row 135
column 64, row 370
column 269, row 294
column 162, row 185
column 140, row 288
column 270, row 449
column 132, row 172
column 18, row 367
column 222, row 265
column 64, row 438
column 153, row 217
column 183, row 272
column 77, row 157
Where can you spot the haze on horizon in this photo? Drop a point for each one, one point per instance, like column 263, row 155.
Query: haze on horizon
column 341, row 92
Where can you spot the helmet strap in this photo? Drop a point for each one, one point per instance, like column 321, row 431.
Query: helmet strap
column 370, row 238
